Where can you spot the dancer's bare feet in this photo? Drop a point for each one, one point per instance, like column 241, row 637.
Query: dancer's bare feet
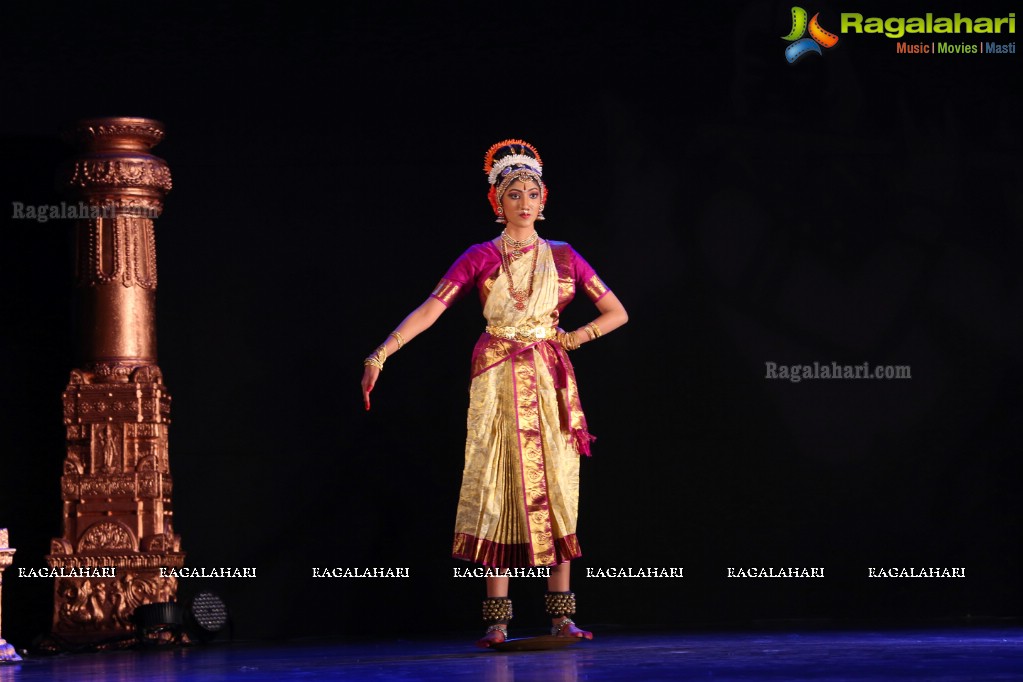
column 566, row 627
column 495, row 635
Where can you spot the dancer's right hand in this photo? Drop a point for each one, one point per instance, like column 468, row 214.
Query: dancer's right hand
column 369, row 380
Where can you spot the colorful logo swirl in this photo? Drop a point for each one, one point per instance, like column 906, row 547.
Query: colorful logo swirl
column 801, row 46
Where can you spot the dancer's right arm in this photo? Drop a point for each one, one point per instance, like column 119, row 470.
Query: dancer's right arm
column 418, row 321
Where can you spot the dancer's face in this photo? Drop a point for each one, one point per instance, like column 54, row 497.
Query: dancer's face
column 521, row 203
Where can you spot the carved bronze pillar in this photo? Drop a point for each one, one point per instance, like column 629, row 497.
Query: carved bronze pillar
column 116, row 486
column 7, row 652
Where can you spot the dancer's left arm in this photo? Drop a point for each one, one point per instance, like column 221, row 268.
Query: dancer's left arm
column 612, row 316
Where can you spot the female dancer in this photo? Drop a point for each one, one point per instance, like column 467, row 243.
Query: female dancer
column 526, row 429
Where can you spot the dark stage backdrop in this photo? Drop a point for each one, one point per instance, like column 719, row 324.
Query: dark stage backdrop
column 856, row 206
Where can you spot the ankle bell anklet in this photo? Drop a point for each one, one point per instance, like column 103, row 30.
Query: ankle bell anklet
column 497, row 610
column 560, row 604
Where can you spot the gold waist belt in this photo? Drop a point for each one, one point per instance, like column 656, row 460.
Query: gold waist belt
column 524, row 333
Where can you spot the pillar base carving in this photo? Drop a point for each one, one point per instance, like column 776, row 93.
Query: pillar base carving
column 96, row 609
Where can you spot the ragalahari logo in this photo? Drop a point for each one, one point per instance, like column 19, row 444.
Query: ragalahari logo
column 801, row 46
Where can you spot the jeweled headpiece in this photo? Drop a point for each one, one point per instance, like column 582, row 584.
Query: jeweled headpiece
column 510, row 160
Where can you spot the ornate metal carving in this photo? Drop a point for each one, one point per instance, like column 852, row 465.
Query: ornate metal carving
column 122, row 132
column 97, row 605
column 7, row 652
column 107, row 535
column 89, row 173
column 61, row 547
column 119, row 248
column 116, row 484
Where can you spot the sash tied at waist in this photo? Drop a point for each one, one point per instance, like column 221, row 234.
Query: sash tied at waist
column 502, row 344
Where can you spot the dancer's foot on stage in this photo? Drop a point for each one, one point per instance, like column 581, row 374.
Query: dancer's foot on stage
column 495, row 635
column 566, row 627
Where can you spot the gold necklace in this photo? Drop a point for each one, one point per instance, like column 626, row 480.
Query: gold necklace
column 520, row 296
column 517, row 244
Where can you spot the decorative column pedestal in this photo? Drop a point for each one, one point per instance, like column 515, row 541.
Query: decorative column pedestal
column 7, row 652
column 118, row 529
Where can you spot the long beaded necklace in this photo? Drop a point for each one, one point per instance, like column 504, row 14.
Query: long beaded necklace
column 520, row 296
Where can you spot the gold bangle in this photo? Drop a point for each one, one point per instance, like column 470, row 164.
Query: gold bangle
column 593, row 329
column 377, row 358
column 399, row 338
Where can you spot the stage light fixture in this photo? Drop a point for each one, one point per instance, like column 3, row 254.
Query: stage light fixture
column 158, row 623
column 207, row 615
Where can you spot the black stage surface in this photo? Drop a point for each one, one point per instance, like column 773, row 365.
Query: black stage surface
column 953, row 654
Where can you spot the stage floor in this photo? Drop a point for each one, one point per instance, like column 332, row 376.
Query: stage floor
column 936, row 655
